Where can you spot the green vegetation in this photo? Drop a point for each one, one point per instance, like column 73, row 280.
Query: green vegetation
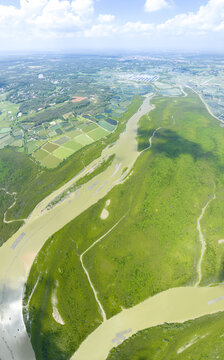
column 16, row 171
column 156, row 245
column 32, row 184
column 198, row 339
column 212, row 226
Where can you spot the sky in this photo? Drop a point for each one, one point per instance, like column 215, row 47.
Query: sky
column 112, row 25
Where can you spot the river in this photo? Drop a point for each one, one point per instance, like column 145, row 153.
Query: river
column 19, row 252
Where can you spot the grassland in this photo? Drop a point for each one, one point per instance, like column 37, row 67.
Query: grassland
column 15, row 170
column 156, row 245
column 32, row 183
column 199, row 339
column 213, row 263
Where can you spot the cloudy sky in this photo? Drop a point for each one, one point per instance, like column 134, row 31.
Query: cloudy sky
column 92, row 25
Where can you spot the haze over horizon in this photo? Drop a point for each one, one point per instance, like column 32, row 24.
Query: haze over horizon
column 97, row 25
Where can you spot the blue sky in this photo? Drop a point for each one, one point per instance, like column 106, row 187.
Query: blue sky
column 129, row 25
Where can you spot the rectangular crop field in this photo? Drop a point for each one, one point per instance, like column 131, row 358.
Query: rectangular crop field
column 74, row 133
column 62, row 140
column 98, row 133
column 50, row 161
column 83, row 139
column 40, row 154
column 106, row 125
column 73, row 145
column 32, row 146
column 50, row 147
column 89, row 127
column 63, row 153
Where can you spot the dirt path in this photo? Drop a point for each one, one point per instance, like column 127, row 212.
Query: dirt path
column 202, row 240
column 86, row 271
column 14, row 194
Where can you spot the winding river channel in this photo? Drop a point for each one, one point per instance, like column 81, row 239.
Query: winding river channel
column 19, row 252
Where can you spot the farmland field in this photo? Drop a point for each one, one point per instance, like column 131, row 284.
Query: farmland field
column 72, row 144
column 83, row 139
column 40, row 154
column 65, row 145
column 97, row 133
column 51, row 161
column 62, row 152
column 50, row 147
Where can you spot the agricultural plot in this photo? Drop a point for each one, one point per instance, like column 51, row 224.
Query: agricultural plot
column 75, row 133
column 32, row 146
column 62, row 140
column 73, row 145
column 6, row 140
column 40, row 154
column 97, row 133
column 51, row 161
column 90, row 127
column 64, row 146
column 50, row 147
column 106, row 125
column 84, row 139
column 62, row 153
column 17, row 143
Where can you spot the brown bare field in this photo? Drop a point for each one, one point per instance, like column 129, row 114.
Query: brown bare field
column 78, row 99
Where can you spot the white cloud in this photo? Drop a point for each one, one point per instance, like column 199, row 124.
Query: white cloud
column 105, row 18
column 42, row 15
column 155, row 5
column 129, row 28
column 74, row 21
column 209, row 17
column 100, row 30
column 137, row 27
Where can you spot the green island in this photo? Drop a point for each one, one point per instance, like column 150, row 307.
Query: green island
column 155, row 243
